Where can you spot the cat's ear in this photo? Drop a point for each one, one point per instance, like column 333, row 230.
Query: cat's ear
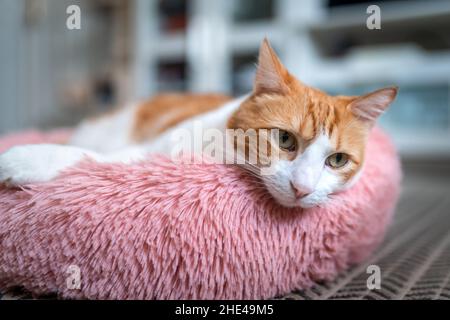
column 370, row 106
column 271, row 75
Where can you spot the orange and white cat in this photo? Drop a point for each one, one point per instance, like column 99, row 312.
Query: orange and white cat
column 321, row 141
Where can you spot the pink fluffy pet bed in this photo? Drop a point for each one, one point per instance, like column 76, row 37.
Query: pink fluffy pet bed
column 157, row 230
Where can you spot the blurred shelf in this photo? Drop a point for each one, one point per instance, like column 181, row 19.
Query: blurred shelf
column 171, row 45
column 171, row 75
column 330, row 48
column 384, row 68
column 414, row 11
column 421, row 143
column 253, row 10
column 246, row 37
column 172, row 15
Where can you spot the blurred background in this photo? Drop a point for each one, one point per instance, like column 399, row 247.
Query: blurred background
column 130, row 49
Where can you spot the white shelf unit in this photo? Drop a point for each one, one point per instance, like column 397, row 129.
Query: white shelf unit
column 213, row 39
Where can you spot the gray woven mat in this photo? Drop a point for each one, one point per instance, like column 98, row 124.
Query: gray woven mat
column 414, row 259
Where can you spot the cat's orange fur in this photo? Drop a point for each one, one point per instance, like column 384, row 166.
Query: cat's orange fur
column 166, row 110
column 279, row 101
column 316, row 149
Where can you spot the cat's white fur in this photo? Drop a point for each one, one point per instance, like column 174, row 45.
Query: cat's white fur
column 107, row 140
column 107, row 134
column 104, row 140
column 306, row 172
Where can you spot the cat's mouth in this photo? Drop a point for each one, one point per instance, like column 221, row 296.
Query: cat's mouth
column 291, row 200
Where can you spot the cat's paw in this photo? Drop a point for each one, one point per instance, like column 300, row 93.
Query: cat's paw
column 19, row 165
column 27, row 164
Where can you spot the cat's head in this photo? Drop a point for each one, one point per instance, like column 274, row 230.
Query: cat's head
column 322, row 138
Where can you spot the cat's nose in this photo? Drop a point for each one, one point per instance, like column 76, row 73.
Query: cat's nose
column 300, row 191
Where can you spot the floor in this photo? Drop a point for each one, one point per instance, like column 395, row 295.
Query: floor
column 415, row 257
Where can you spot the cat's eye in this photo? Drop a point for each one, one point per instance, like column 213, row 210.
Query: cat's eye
column 337, row 160
column 287, row 141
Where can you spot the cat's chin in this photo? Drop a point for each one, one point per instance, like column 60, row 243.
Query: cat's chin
column 291, row 202
column 300, row 204
column 311, row 201
column 309, row 204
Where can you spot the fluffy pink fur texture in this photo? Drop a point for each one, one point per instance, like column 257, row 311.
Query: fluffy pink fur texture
column 157, row 230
